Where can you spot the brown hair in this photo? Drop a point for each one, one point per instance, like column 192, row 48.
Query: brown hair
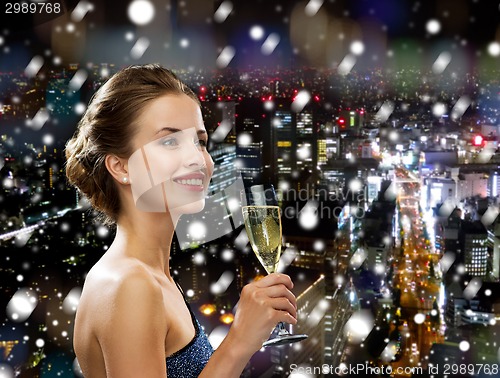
column 107, row 128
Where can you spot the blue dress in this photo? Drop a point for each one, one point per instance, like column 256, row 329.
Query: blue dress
column 189, row 361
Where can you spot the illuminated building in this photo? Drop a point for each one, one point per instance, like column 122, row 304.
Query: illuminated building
column 493, row 184
column 494, row 245
column 351, row 121
column 8, row 346
column 311, row 312
column 366, row 149
column 220, row 113
column 328, row 142
column 60, row 99
column 322, row 156
column 474, row 248
column 306, row 154
column 436, row 160
column 219, row 118
column 321, row 317
column 472, row 184
column 224, row 168
column 323, row 308
column 438, row 190
column 374, row 185
column 446, row 230
column 249, row 147
column 284, row 144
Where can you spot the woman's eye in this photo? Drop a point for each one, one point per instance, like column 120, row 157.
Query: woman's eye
column 170, row 142
column 202, row 142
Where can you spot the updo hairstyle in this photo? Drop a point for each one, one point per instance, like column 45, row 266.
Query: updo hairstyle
column 108, row 126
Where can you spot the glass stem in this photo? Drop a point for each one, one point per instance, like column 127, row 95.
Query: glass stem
column 282, row 331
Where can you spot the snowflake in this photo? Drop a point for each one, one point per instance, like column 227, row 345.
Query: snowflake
column 494, row 49
column 300, row 101
column 244, row 139
column 33, row 66
column 359, row 326
column 308, row 216
column 139, row 48
column 225, row 57
column 441, row 62
column 81, row 10
column 433, row 26
column 312, row 7
column 270, row 44
column 464, row 346
column 419, row 318
column 357, row 47
column 346, row 65
column 472, row 288
column 256, row 32
column 224, row 10
column 141, row 12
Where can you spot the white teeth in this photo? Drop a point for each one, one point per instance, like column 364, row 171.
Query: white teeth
column 197, row 182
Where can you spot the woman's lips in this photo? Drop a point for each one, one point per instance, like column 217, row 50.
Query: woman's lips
column 192, row 183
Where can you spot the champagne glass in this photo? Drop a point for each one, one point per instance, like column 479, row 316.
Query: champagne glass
column 262, row 218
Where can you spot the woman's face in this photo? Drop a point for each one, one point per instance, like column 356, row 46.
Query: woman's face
column 170, row 169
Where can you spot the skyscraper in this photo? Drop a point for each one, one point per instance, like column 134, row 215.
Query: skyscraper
column 249, row 143
column 284, row 143
column 474, row 250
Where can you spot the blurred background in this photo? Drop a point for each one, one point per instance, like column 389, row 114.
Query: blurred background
column 357, row 111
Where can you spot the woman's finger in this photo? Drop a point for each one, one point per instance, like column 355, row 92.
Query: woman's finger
column 282, row 291
column 283, row 304
column 275, row 279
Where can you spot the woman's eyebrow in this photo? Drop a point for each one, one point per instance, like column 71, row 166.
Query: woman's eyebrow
column 168, row 129
column 175, row 130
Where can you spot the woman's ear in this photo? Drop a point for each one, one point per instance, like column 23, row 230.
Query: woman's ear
column 118, row 168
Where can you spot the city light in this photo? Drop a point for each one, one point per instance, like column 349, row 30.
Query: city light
column 227, row 318
column 478, row 140
column 382, row 141
column 207, row 309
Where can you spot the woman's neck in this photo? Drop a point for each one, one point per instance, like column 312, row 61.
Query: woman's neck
column 146, row 237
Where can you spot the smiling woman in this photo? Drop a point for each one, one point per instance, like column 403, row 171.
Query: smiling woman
column 139, row 155
column 171, row 168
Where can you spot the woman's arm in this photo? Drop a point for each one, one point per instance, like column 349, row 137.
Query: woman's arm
column 132, row 333
column 262, row 305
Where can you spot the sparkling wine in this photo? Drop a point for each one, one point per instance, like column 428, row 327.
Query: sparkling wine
column 263, row 226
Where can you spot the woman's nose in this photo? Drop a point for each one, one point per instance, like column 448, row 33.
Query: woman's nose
column 193, row 157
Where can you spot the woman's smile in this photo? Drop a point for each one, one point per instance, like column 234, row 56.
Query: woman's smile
column 192, row 182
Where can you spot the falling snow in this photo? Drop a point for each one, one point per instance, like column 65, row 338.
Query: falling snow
column 225, row 57
column 301, row 100
column 441, row 62
column 256, row 32
column 433, row 26
column 270, row 44
column 347, row 64
column 224, row 10
column 338, row 38
column 139, row 48
column 34, row 66
column 141, row 12
column 81, row 10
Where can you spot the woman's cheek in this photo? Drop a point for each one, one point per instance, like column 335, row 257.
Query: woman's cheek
column 210, row 164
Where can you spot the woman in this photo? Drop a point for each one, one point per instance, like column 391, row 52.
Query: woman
column 139, row 155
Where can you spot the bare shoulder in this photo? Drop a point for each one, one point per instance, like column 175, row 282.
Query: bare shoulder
column 120, row 324
column 111, row 290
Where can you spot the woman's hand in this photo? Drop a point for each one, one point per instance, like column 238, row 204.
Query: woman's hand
column 263, row 304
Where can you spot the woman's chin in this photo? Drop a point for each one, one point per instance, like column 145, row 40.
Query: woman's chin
column 189, row 208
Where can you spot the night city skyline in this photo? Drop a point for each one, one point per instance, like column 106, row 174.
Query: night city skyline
column 378, row 122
